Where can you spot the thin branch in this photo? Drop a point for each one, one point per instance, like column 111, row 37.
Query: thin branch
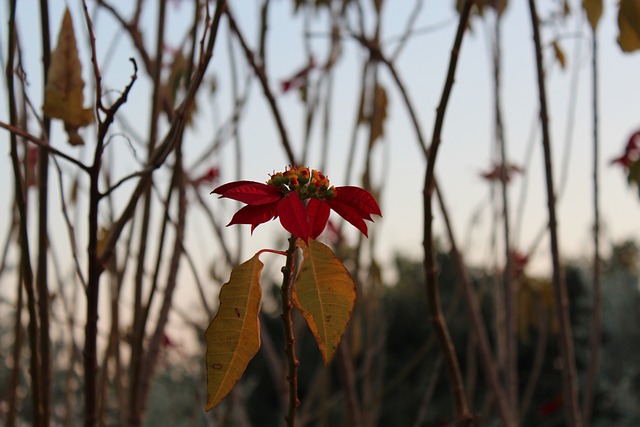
column 42, row 144
column 461, row 406
column 596, row 323
column 43, row 237
column 259, row 70
column 161, row 153
column 559, row 286
column 26, row 272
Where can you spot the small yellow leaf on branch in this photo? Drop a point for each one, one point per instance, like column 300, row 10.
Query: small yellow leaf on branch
column 63, row 93
column 325, row 293
column 233, row 336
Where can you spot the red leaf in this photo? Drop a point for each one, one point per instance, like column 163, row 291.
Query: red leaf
column 249, row 192
column 255, row 215
column 293, row 216
column 359, row 200
column 318, row 213
column 348, row 213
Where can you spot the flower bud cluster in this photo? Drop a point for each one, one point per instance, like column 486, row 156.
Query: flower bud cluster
column 308, row 184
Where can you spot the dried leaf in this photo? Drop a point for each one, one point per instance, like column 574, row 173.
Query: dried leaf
column 63, row 93
column 557, row 50
column 325, row 293
column 629, row 25
column 233, row 336
column 594, row 12
column 375, row 113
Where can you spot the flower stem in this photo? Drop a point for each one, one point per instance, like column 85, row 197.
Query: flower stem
column 292, row 376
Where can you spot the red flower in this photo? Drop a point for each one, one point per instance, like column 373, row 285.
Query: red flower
column 209, row 177
column 299, row 78
column 631, row 152
column 495, row 174
column 302, row 200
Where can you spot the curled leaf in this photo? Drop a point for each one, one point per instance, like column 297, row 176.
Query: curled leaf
column 63, row 93
column 325, row 293
column 629, row 24
column 233, row 336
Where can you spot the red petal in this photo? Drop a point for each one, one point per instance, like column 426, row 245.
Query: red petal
column 348, row 213
column 249, row 192
column 255, row 215
column 293, row 216
column 318, row 213
column 359, row 200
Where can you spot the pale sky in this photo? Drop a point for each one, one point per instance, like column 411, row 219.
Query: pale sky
column 467, row 135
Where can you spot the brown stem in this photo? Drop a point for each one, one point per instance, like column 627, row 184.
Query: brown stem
column 26, row 272
column 565, row 337
column 288, row 273
column 477, row 323
column 538, row 360
column 43, row 243
column 348, row 378
column 13, row 383
column 461, row 407
column 155, row 342
column 42, row 144
column 138, row 327
column 160, row 154
column 510, row 286
column 95, row 265
column 596, row 323
column 262, row 76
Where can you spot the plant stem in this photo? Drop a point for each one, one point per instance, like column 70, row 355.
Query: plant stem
column 510, row 286
column 461, row 406
column 26, row 272
column 596, row 321
column 43, row 240
column 565, row 336
column 292, row 376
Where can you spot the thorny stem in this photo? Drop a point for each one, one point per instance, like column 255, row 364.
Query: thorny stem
column 559, row 287
column 461, row 407
column 288, row 273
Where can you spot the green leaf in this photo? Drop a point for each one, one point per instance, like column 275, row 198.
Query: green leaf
column 63, row 97
column 629, row 24
column 325, row 293
column 594, row 12
column 233, row 336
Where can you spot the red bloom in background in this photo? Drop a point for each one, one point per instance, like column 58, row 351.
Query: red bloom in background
column 495, row 174
column 631, row 152
column 302, row 199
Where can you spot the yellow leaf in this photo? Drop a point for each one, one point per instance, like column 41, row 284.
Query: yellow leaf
column 325, row 293
column 594, row 11
column 233, row 336
column 559, row 54
column 629, row 24
column 63, row 97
